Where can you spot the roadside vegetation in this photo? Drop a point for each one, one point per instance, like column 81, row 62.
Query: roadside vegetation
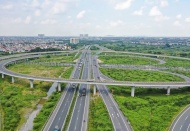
column 57, row 58
column 151, row 109
column 99, row 119
column 46, row 110
column 40, row 70
column 127, row 60
column 67, row 72
column 94, row 48
column 176, row 63
column 172, row 50
column 17, row 100
column 139, row 75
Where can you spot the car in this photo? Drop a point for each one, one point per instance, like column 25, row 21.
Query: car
column 56, row 128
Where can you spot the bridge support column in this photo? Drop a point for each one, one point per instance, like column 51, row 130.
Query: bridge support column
column 59, row 86
column 13, row 80
column 3, row 76
column 94, row 90
column 67, row 54
column 132, row 91
column 168, row 90
column 31, row 83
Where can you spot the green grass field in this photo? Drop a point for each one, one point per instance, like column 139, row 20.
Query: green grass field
column 127, row 60
column 57, row 58
column 150, row 109
column 176, row 63
column 99, row 119
column 40, row 70
column 139, row 75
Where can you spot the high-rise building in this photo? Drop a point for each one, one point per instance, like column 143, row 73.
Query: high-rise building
column 83, row 36
column 74, row 40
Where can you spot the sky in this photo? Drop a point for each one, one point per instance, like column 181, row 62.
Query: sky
column 95, row 17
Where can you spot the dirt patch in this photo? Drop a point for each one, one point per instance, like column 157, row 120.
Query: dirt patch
column 75, row 60
column 99, row 61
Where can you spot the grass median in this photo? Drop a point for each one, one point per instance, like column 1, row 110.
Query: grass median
column 99, row 119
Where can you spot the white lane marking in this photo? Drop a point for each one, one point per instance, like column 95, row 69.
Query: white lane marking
column 181, row 127
column 59, row 118
column 186, row 117
column 180, row 117
column 188, row 127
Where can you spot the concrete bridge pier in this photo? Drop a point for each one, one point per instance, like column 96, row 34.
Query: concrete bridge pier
column 59, row 86
column 132, row 91
column 3, row 76
column 13, row 80
column 31, row 83
column 168, row 90
column 94, row 90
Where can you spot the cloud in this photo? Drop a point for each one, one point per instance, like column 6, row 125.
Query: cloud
column 158, row 16
column 27, row 20
column 177, row 23
column 187, row 19
column 155, row 11
column 179, row 16
column 138, row 12
column 59, row 7
column 81, row 14
column 6, row 7
column 163, row 3
column 48, row 22
column 17, row 20
column 37, row 13
column 123, row 5
column 35, row 3
column 116, row 23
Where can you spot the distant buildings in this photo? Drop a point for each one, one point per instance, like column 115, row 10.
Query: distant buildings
column 41, row 35
column 74, row 40
column 83, row 36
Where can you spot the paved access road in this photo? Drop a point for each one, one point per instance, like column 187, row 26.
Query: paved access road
column 79, row 117
column 59, row 115
column 182, row 122
column 119, row 121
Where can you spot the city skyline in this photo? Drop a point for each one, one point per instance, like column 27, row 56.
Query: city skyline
column 96, row 18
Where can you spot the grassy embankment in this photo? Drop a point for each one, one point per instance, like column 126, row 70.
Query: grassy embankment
column 151, row 109
column 127, row 60
column 18, row 99
column 139, row 75
column 176, row 63
column 99, row 119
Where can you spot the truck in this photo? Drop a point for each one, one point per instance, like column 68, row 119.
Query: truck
column 83, row 91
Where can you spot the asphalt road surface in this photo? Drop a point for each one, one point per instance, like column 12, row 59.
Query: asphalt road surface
column 59, row 115
column 118, row 120
column 182, row 122
column 79, row 117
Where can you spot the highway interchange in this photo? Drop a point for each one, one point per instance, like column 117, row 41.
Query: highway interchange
column 80, row 113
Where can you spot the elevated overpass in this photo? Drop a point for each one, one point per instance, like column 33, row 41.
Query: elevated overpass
column 5, row 71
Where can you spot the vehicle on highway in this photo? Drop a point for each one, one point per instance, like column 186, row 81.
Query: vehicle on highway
column 73, row 85
column 56, row 128
column 83, row 91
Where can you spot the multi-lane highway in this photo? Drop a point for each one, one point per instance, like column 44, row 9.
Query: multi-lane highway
column 79, row 117
column 182, row 121
column 119, row 121
column 59, row 115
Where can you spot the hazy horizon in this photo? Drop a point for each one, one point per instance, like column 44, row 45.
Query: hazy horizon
column 128, row 18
